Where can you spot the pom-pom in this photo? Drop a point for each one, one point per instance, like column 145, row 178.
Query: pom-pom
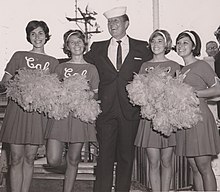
column 33, row 90
column 169, row 102
column 81, row 101
column 38, row 90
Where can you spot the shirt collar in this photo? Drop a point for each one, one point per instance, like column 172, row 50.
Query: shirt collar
column 124, row 40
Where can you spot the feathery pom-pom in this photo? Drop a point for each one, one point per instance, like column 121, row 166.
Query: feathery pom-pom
column 168, row 102
column 38, row 90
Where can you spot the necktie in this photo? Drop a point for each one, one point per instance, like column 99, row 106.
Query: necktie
column 119, row 56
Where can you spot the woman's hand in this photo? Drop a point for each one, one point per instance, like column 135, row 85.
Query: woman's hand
column 2, row 88
column 212, row 93
column 218, row 122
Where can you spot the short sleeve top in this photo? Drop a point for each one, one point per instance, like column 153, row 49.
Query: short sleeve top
column 67, row 69
column 30, row 60
column 172, row 66
column 199, row 75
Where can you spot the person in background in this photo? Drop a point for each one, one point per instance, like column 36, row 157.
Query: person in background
column 159, row 148
column 116, row 59
column 201, row 142
column 71, row 131
column 217, row 63
column 24, row 131
column 212, row 50
column 217, row 36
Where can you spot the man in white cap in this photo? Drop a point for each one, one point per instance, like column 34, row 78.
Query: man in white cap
column 117, row 59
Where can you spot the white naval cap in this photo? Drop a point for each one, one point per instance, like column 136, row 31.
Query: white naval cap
column 115, row 12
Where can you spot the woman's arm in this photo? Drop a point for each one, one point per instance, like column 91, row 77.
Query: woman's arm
column 5, row 78
column 209, row 92
column 212, row 92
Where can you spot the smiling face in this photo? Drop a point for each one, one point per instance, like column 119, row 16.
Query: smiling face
column 117, row 27
column 158, row 45
column 184, row 47
column 37, row 38
column 75, row 45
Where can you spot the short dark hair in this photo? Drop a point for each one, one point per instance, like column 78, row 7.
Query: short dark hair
column 35, row 24
column 209, row 42
column 66, row 36
column 197, row 50
column 217, row 33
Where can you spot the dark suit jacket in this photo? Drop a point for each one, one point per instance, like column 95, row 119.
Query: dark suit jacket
column 217, row 63
column 113, row 83
column 217, row 71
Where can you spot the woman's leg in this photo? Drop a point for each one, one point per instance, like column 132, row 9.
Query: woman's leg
column 16, row 173
column 28, row 166
column 166, row 168
column 73, row 159
column 197, row 178
column 153, row 155
column 54, row 152
column 204, row 166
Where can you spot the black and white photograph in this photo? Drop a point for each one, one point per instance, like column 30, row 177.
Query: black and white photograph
column 109, row 95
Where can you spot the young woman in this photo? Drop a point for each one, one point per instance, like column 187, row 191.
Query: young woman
column 24, row 131
column 159, row 147
column 71, row 130
column 201, row 142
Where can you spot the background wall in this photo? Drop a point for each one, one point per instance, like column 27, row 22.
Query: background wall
column 175, row 16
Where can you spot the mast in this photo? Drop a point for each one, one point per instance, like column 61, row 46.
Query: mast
column 156, row 24
column 87, row 17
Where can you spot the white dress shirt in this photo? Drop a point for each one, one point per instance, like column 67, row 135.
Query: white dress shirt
column 112, row 49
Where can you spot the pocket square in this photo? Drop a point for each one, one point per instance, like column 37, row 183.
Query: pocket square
column 137, row 58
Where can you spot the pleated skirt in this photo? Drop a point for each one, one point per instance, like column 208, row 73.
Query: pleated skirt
column 202, row 139
column 148, row 138
column 21, row 127
column 71, row 130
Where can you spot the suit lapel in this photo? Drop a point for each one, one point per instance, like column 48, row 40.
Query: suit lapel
column 128, row 58
column 130, row 54
column 105, row 57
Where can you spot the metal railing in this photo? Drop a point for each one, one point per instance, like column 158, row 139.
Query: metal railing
column 182, row 174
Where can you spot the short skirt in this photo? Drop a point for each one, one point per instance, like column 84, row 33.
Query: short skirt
column 71, row 130
column 148, row 138
column 22, row 127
